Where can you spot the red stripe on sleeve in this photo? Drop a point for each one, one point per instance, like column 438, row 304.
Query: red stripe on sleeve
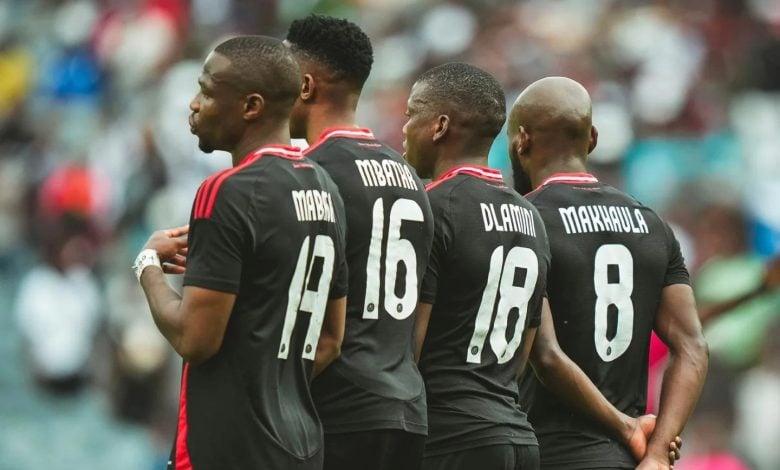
column 219, row 179
column 201, row 196
column 182, row 453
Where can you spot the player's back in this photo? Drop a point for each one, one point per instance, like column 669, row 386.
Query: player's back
column 485, row 280
column 249, row 405
column 375, row 384
column 611, row 257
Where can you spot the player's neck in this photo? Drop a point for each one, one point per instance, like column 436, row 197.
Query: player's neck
column 255, row 139
column 558, row 165
column 324, row 119
column 443, row 165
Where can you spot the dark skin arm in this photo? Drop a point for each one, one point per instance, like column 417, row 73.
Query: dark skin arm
column 678, row 326
column 528, row 343
column 194, row 322
column 422, row 317
column 563, row 377
column 331, row 336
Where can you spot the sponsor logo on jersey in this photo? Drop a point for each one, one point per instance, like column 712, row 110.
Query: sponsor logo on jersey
column 600, row 218
column 386, row 173
column 313, row 204
column 508, row 218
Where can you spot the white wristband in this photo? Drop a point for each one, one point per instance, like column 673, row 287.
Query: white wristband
column 146, row 258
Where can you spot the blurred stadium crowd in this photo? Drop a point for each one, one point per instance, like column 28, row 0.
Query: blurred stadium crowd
column 95, row 153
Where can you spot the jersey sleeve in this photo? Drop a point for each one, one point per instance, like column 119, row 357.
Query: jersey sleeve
column 217, row 242
column 676, row 272
column 442, row 237
column 339, row 285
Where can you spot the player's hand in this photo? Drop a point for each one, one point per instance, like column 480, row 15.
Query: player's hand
column 171, row 247
column 674, row 450
column 641, row 429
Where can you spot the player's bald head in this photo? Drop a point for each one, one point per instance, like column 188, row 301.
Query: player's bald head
column 550, row 125
column 555, row 106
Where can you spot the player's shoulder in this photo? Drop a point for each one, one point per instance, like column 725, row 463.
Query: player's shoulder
column 629, row 200
column 337, row 142
column 441, row 190
column 231, row 184
column 539, row 194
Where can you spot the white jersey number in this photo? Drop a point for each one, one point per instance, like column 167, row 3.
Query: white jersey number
column 501, row 282
column 300, row 298
column 617, row 294
column 398, row 250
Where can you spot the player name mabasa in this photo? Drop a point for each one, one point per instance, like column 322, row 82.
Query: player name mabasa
column 589, row 219
column 386, row 173
column 508, row 218
column 313, row 204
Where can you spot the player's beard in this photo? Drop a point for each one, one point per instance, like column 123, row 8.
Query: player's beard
column 522, row 182
column 204, row 146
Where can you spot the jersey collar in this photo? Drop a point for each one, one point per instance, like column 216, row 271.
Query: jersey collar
column 569, row 178
column 482, row 172
column 284, row 151
column 348, row 132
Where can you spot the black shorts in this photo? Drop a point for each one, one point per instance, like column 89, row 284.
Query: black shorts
column 495, row 457
column 383, row 449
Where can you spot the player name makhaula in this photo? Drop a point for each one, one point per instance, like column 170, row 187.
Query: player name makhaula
column 507, row 218
column 589, row 219
column 313, row 204
column 386, row 173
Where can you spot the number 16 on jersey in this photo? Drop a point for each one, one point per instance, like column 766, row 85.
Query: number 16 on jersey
column 398, row 250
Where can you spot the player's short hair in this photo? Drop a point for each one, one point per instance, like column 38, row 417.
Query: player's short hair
column 470, row 91
column 336, row 43
column 264, row 65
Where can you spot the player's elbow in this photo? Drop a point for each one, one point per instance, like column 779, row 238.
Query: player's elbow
column 694, row 350
column 545, row 359
column 701, row 352
column 328, row 349
column 197, row 351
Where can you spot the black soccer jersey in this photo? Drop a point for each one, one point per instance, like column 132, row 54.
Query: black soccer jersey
column 611, row 257
column 270, row 230
column 486, row 281
column 375, row 384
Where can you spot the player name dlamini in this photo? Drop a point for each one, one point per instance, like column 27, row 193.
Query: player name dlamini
column 312, row 204
column 508, row 218
column 386, row 173
column 589, row 219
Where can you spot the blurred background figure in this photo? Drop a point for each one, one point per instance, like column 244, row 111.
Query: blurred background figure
column 95, row 150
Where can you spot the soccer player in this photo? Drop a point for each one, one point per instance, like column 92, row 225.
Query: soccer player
column 616, row 274
column 371, row 399
column 265, row 273
column 482, row 296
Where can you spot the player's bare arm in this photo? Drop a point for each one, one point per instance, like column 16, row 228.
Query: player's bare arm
column 193, row 322
column 563, row 377
column 422, row 317
column 331, row 336
column 678, row 325
column 529, row 338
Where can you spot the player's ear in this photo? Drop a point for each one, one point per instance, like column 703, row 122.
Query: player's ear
column 441, row 127
column 308, row 88
column 523, row 142
column 514, row 144
column 254, row 105
column 594, row 138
